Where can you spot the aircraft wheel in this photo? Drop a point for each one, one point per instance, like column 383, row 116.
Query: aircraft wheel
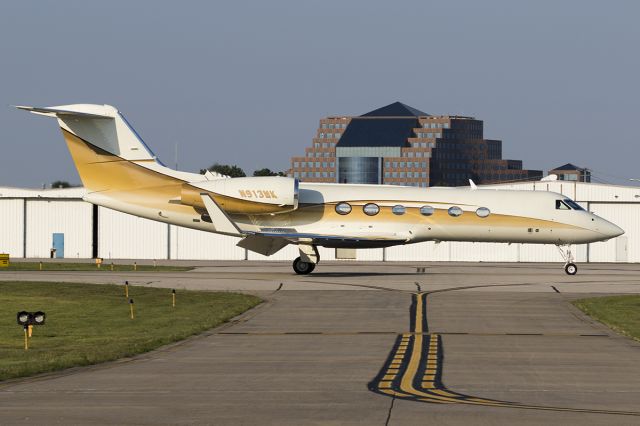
column 571, row 268
column 303, row 268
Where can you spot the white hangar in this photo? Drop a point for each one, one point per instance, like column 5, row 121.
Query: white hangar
column 33, row 222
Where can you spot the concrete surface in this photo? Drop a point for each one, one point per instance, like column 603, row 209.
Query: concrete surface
column 511, row 349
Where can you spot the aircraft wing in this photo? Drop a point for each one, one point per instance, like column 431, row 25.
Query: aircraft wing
column 333, row 241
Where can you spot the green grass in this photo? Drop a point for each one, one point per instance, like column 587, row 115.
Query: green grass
column 621, row 313
column 106, row 266
column 89, row 323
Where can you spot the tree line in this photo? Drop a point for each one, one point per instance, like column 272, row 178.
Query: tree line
column 223, row 169
column 236, row 171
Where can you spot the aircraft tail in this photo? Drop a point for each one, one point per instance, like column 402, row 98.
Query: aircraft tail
column 107, row 151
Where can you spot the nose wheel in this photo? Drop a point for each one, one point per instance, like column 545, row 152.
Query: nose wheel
column 569, row 267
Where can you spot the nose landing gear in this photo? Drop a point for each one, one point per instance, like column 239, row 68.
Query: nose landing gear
column 569, row 267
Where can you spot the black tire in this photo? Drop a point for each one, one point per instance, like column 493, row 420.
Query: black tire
column 571, row 268
column 303, row 268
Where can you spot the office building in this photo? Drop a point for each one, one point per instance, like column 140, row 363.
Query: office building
column 572, row 173
column 400, row 145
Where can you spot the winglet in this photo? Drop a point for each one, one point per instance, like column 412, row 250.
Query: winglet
column 219, row 218
column 472, row 185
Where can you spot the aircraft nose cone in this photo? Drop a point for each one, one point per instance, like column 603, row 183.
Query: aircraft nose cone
column 609, row 229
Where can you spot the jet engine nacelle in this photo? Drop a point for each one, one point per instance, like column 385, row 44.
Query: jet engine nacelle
column 248, row 195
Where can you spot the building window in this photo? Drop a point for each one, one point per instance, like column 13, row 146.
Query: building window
column 483, row 212
column 371, row 209
column 332, row 174
column 332, row 164
column 325, row 175
column 343, row 208
column 387, row 174
column 401, row 174
column 324, row 164
column 387, row 164
column 395, row 164
column 455, row 211
column 296, row 164
column 296, row 175
column 317, row 164
column 409, row 174
column 394, row 174
column 426, row 210
column 398, row 209
column 402, row 164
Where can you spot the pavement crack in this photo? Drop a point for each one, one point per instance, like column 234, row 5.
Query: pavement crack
column 277, row 289
column 393, row 399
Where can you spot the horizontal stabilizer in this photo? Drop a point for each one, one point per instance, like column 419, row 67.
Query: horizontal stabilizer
column 53, row 111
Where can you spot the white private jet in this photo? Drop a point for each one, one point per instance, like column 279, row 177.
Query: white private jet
column 120, row 172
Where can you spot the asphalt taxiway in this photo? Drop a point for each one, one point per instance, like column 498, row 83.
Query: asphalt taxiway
column 364, row 344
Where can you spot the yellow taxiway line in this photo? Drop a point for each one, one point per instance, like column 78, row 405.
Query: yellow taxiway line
column 413, row 370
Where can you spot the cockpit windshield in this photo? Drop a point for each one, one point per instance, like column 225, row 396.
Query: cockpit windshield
column 568, row 204
column 573, row 204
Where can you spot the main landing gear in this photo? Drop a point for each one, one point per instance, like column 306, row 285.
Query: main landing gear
column 309, row 258
column 569, row 267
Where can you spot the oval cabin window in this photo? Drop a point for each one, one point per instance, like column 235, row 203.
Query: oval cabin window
column 371, row 209
column 455, row 211
column 343, row 208
column 426, row 210
column 483, row 212
column 398, row 209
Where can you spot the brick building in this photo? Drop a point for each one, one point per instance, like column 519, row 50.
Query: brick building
column 571, row 172
column 400, row 145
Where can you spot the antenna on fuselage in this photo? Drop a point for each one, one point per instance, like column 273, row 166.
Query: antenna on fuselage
column 472, row 185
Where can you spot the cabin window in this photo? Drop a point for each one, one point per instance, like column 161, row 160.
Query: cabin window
column 371, row 209
column 455, row 211
column 573, row 204
column 343, row 208
column 483, row 212
column 560, row 205
column 426, row 210
column 398, row 209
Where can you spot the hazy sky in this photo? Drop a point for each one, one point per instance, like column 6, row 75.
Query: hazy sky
column 246, row 82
